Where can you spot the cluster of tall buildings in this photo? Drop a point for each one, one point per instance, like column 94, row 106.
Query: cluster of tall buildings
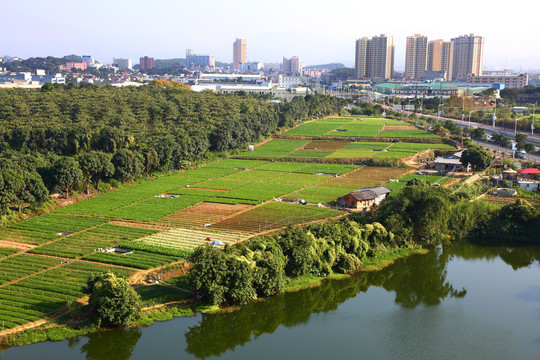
column 292, row 66
column 451, row 60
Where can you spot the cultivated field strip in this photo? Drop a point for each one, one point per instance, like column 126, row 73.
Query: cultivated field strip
column 139, row 259
column 38, row 296
column 44, row 228
column 88, row 241
column 201, row 214
column 18, row 266
column 108, row 202
column 154, row 208
column 7, row 251
column 272, row 215
column 188, row 239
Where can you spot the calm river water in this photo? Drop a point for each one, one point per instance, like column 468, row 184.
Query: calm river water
column 463, row 302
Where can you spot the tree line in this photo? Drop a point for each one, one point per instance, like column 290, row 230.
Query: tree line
column 73, row 137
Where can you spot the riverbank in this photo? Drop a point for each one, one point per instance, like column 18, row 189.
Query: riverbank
column 74, row 325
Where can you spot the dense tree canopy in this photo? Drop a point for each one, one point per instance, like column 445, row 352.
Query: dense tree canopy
column 76, row 136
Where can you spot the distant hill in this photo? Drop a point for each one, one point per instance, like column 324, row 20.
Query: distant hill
column 330, row 66
column 49, row 63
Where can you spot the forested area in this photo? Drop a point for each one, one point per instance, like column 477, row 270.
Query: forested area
column 72, row 138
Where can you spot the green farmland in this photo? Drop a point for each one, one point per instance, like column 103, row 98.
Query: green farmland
column 161, row 221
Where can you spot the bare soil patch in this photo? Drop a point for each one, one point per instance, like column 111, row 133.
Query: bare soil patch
column 399, row 127
column 139, row 225
column 16, row 245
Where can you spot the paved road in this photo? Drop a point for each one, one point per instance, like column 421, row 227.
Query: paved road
column 535, row 139
column 492, row 146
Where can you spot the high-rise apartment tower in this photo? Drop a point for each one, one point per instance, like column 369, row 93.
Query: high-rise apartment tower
column 375, row 57
column 416, row 56
column 239, row 53
column 292, row 66
column 146, row 63
column 435, row 55
column 468, row 56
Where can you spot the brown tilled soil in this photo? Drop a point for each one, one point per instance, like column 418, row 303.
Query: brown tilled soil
column 399, row 127
column 139, row 225
column 203, row 213
column 16, row 245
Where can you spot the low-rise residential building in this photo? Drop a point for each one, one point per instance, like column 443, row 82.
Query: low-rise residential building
column 289, row 81
column 73, row 65
column 122, row 63
column 451, row 163
column 426, row 91
column 510, row 81
column 365, row 198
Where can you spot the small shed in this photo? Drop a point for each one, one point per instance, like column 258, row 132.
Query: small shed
column 509, row 174
column 529, row 185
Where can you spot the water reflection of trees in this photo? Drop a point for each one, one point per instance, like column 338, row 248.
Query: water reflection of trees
column 419, row 280
column 516, row 256
column 115, row 344
column 416, row 280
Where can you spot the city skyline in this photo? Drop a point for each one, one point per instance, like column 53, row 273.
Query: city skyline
column 166, row 34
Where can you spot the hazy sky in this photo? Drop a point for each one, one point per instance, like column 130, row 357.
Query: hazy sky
column 317, row 31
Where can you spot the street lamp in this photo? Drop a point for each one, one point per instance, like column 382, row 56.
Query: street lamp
column 495, row 113
column 515, row 126
column 533, row 119
column 438, row 111
column 470, row 112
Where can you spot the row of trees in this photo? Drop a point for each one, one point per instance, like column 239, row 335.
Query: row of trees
column 256, row 268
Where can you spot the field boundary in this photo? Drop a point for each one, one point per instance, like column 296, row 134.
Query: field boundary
column 365, row 139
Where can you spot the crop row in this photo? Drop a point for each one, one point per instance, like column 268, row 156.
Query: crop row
column 188, row 239
column 272, row 215
column 53, row 225
column 274, row 148
column 105, row 203
column 86, row 242
column 307, row 168
column 22, row 265
column 26, row 236
column 154, row 208
column 7, row 251
column 238, row 164
column 320, row 194
column 137, row 259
